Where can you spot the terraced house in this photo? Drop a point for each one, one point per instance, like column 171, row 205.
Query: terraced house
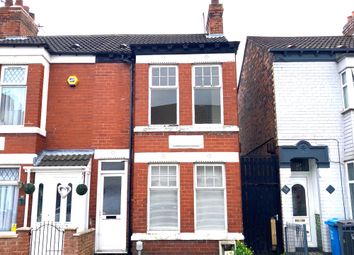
column 296, row 102
column 124, row 138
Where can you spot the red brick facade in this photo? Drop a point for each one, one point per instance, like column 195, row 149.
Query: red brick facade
column 158, row 142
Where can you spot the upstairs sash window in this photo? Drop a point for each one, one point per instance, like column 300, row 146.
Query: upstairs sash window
column 163, row 95
column 207, row 94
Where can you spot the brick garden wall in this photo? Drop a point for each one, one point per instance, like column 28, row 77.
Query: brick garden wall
column 179, row 247
column 17, row 244
column 74, row 243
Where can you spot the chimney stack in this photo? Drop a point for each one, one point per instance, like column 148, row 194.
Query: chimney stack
column 348, row 29
column 16, row 20
column 215, row 22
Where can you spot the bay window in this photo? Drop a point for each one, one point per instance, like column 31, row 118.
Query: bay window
column 347, row 82
column 163, row 198
column 163, row 95
column 207, row 94
column 8, row 197
column 210, row 209
column 13, row 95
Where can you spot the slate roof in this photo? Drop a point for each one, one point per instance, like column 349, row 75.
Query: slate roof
column 101, row 44
column 64, row 158
column 305, row 42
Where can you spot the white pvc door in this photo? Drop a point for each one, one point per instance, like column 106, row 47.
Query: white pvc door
column 55, row 203
column 68, row 209
column 111, row 211
column 303, row 207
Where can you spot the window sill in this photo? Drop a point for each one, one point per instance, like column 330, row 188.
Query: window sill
column 8, row 235
column 13, row 129
column 187, row 128
column 209, row 235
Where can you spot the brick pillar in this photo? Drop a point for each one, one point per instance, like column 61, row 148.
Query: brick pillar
column 70, row 246
column 23, row 240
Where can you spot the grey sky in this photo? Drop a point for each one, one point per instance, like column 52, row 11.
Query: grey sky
column 241, row 17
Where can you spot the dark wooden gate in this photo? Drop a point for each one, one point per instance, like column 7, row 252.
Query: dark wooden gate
column 261, row 202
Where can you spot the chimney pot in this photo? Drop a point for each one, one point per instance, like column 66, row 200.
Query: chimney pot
column 8, row 3
column 19, row 2
column 214, row 1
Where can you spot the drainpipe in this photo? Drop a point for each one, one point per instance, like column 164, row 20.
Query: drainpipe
column 131, row 153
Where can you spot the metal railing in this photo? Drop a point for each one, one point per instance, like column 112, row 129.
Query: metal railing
column 296, row 239
column 47, row 239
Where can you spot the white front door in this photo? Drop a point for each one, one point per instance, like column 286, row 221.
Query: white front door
column 111, row 217
column 50, row 206
column 303, row 206
column 56, row 205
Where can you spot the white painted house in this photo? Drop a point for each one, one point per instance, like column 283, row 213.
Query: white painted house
column 296, row 94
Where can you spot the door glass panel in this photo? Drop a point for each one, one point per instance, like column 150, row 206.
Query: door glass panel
column 40, row 203
column 57, row 205
column 112, row 195
column 299, row 200
column 68, row 204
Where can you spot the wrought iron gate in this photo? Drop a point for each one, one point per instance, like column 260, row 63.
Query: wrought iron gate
column 296, row 239
column 261, row 204
column 47, row 239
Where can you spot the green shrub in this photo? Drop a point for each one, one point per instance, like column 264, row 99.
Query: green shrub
column 242, row 249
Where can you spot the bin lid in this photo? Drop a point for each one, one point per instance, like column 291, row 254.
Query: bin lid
column 347, row 223
column 332, row 222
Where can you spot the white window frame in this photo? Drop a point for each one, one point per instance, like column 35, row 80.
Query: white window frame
column 349, row 182
column 208, row 87
column 176, row 87
column 349, row 76
column 162, row 188
column 2, row 83
column 11, row 183
column 212, row 188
